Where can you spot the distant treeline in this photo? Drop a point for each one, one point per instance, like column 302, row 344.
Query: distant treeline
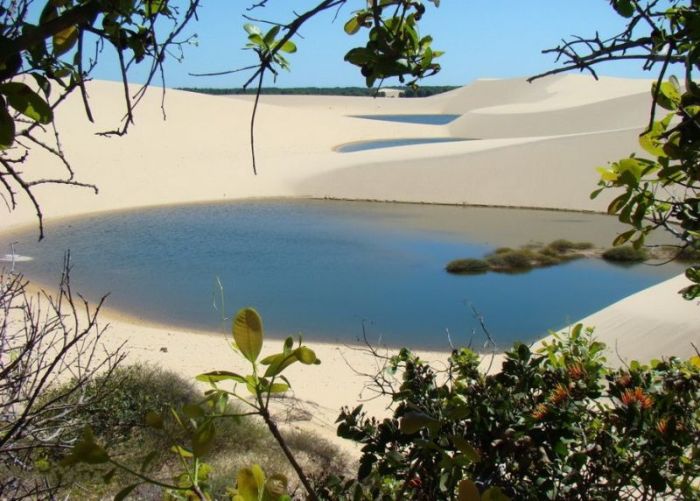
column 325, row 91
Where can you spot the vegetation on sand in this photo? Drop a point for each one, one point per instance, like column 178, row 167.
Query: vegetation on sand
column 507, row 260
column 626, row 254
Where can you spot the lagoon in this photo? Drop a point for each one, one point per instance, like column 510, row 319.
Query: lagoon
column 393, row 143
column 324, row 268
column 425, row 119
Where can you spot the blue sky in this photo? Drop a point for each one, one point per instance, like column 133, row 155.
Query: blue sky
column 481, row 38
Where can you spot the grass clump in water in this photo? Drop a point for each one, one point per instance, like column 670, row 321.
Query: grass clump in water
column 625, row 254
column 523, row 259
column 467, row 266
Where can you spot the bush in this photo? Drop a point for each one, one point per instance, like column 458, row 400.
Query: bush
column 467, row 266
column 553, row 424
column 625, row 254
column 511, row 262
column 126, row 396
column 562, row 245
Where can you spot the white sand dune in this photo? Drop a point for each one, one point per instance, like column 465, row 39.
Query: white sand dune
column 536, row 146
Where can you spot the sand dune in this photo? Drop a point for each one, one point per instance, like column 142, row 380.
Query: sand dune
column 538, row 145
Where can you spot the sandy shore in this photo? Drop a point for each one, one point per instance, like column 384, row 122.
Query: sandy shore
column 531, row 145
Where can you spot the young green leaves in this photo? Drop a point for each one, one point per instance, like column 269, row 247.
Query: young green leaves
column 268, row 47
column 394, row 47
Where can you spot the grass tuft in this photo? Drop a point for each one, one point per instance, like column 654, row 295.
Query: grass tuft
column 625, row 254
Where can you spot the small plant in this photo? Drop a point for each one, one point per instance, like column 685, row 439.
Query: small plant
column 467, row 266
column 562, row 245
column 625, row 254
column 196, row 425
column 523, row 259
column 512, row 261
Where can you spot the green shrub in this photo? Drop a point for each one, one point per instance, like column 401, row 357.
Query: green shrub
column 689, row 254
column 467, row 266
column 562, row 245
column 126, row 395
column 553, row 424
column 625, row 254
column 512, row 261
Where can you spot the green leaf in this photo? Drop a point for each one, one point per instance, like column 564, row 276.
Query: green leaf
column 7, row 127
column 203, row 438
column 413, row 422
column 466, row 448
column 669, row 96
column 352, row 26
column 180, row 451
column 64, row 40
column 277, row 363
column 271, row 35
column 216, row 376
column 27, row 102
column 494, row 494
column 305, row 355
column 251, row 29
column 278, row 388
column 148, row 460
column 623, row 237
column 467, row 491
column 624, row 7
column 86, row 451
column 289, row 47
column 122, row 494
column 154, row 420
column 618, row 203
column 154, row 7
column 247, row 483
column 248, row 333
column 192, row 411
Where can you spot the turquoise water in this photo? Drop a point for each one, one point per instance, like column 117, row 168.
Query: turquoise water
column 392, row 143
column 322, row 268
column 426, row 119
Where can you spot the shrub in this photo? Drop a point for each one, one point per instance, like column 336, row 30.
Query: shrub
column 553, row 424
column 123, row 399
column 562, row 245
column 467, row 266
column 625, row 254
column 511, row 262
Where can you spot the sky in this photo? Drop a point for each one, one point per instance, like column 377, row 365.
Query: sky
column 481, row 39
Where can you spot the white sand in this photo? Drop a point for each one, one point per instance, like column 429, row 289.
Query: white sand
column 538, row 146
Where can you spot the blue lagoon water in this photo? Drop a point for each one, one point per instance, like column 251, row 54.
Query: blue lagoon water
column 322, row 268
column 426, row 119
column 392, row 143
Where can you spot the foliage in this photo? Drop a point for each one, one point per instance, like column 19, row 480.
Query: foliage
column 467, row 266
column 197, row 423
column 507, row 260
column 625, row 254
column 553, row 424
column 661, row 191
column 119, row 401
column 44, row 339
column 43, row 61
column 394, row 47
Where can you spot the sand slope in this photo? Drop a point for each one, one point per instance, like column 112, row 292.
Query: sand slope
column 538, row 145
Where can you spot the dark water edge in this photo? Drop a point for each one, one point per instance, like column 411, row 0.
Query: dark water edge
column 325, row 268
column 425, row 119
